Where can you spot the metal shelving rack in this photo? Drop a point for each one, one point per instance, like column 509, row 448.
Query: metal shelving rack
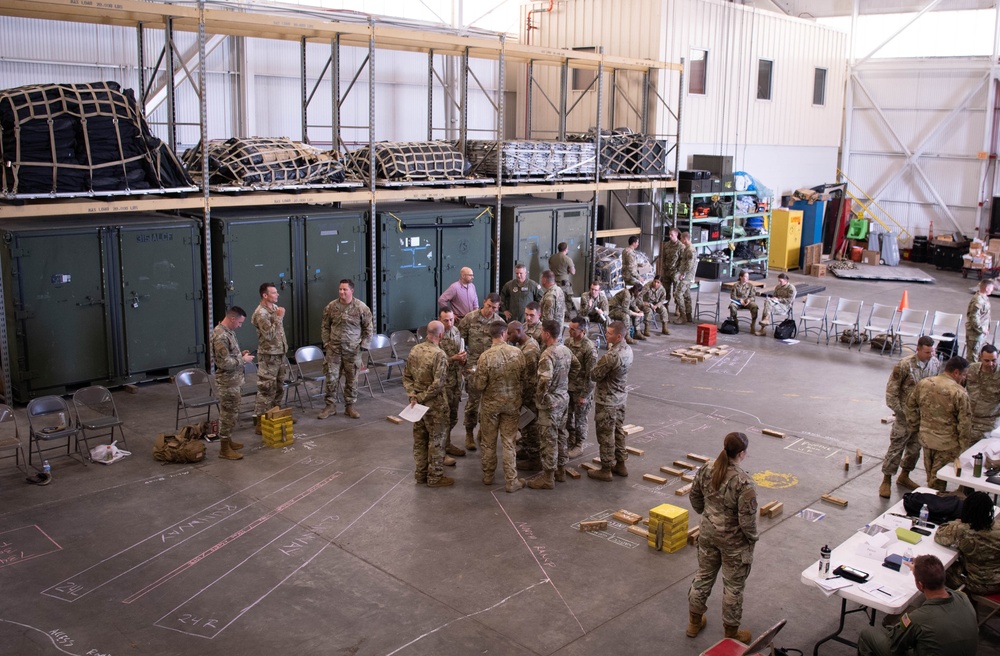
column 689, row 223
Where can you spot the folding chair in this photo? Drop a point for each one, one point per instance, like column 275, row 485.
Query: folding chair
column 990, row 603
column 763, row 644
column 195, row 391
column 11, row 441
column 946, row 327
column 909, row 323
column 847, row 314
column 595, row 331
column 96, row 412
column 380, row 355
column 310, row 361
column 292, row 384
column 402, row 342
column 50, row 418
column 421, row 334
column 815, row 310
column 365, row 370
column 712, row 290
column 249, row 387
column 880, row 320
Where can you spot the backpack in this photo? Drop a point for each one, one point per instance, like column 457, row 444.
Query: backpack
column 729, row 327
column 183, row 446
column 939, row 509
column 786, row 329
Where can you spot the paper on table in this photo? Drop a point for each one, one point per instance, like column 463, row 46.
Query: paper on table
column 882, row 592
column 413, row 414
column 892, row 522
column 832, row 584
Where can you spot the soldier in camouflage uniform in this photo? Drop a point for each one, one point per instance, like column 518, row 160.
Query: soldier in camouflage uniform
column 347, row 328
column 594, row 306
column 630, row 263
column 670, row 252
column 272, row 352
column 533, row 321
column 982, row 382
column 938, row 410
column 654, row 299
column 977, row 320
column 977, row 539
column 528, row 449
column 229, row 361
column 451, row 344
column 611, row 375
column 687, row 265
column 498, row 377
column 581, row 387
column 517, row 293
column 724, row 495
column 624, row 307
column 903, row 442
column 553, row 303
column 475, row 330
column 742, row 297
column 779, row 302
column 552, row 400
column 424, row 378
column 561, row 265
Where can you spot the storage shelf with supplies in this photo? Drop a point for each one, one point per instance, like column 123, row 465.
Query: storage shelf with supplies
column 708, row 233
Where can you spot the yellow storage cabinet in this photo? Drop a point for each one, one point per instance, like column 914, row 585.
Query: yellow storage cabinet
column 786, row 239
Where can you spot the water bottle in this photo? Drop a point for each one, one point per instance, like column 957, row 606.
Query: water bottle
column 46, row 468
column 908, row 556
column 109, row 454
column 824, row 560
column 924, row 515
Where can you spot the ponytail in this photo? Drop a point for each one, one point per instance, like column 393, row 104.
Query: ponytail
column 732, row 446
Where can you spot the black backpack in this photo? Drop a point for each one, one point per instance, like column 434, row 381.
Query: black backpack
column 786, row 329
column 939, row 509
column 729, row 327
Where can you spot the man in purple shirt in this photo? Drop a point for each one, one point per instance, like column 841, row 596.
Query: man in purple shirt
column 460, row 297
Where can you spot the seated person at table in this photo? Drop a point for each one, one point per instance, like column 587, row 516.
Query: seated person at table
column 978, row 544
column 945, row 624
column 742, row 298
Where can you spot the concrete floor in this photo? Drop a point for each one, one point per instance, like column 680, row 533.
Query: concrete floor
column 328, row 547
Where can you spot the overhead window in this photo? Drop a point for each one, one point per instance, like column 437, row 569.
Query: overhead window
column 765, row 70
column 698, row 72
column 819, row 87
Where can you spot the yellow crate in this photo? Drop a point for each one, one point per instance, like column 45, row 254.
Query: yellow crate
column 276, row 433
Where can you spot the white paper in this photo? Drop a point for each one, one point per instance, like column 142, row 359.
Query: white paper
column 789, row 341
column 883, row 592
column 829, row 586
column 413, row 414
column 525, row 418
column 892, row 522
column 870, row 551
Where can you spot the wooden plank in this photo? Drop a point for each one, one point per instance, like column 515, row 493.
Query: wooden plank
column 594, row 525
column 589, row 466
column 847, row 463
column 837, row 501
column 772, row 433
column 671, row 471
column 633, row 430
column 681, row 491
column 394, row 419
column 687, row 360
column 687, row 478
column 695, row 456
column 684, row 464
column 627, row 517
column 776, row 510
column 641, row 532
column 596, row 461
column 653, row 478
column 858, row 456
column 618, row 232
column 634, row 451
column 572, row 473
column 766, row 508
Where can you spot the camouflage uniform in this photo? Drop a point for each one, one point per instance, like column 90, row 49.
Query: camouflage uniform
column 621, row 305
column 670, row 253
column 499, row 377
column 553, row 304
column 529, row 447
column 272, row 358
column 744, row 293
column 938, row 410
column 228, row 377
column 658, row 302
column 903, row 442
column 611, row 375
column 560, row 264
column 630, row 267
column 475, row 330
column 687, row 265
column 552, row 401
column 514, row 297
column 726, row 540
column 451, row 342
column 980, row 556
column 581, row 387
column 977, row 325
column 534, row 331
column 779, row 302
column 984, row 399
column 589, row 306
column 938, row 626
column 424, row 378
column 347, row 327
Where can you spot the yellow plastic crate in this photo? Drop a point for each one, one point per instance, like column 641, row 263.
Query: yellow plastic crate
column 668, row 513
column 277, row 433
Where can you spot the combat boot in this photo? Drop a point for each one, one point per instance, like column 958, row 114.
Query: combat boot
column 544, row 482
column 448, row 461
column 629, row 340
column 641, row 336
column 619, row 469
column 470, row 441
column 753, row 327
column 453, row 450
column 443, row 481
column 664, row 330
column 330, row 409
column 575, row 452
column 696, row 622
column 234, row 444
column 487, row 479
column 687, row 316
column 515, row 485
column 602, row 474
column 645, row 330
column 678, row 319
column 256, row 428
column 735, row 633
column 904, row 480
column 885, row 489
column 530, row 464
column 226, row 452
column 560, row 474
column 351, row 412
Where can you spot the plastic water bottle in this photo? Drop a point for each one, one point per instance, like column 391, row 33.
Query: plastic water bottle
column 924, row 515
column 908, row 556
column 109, row 454
column 46, row 468
column 824, row 560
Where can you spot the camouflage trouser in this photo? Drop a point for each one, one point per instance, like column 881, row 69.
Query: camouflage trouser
column 454, row 395
column 774, row 306
column 567, row 287
column 576, row 420
column 229, row 410
column 594, row 317
column 272, row 372
column 608, row 422
column 528, row 447
column 974, row 343
column 553, row 437
column 669, row 279
column 626, row 318
column 735, row 565
column 749, row 306
column 934, row 460
column 903, row 445
column 494, row 421
column 661, row 312
column 471, row 405
column 429, row 439
column 342, row 362
column 682, row 297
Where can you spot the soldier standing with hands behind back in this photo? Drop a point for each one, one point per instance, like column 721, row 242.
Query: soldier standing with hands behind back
column 229, row 361
column 272, row 349
column 347, row 328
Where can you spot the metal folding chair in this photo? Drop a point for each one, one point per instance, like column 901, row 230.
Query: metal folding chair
column 880, row 320
column 847, row 314
column 310, row 361
column 815, row 311
column 712, row 292
column 49, row 419
column 96, row 413
column 909, row 323
column 249, row 388
column 402, row 342
column 380, row 355
column 195, row 391
column 945, row 326
column 10, row 438
column 292, row 384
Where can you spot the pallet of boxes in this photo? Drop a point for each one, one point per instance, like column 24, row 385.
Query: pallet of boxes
column 982, row 260
column 812, row 262
column 276, row 428
column 668, row 528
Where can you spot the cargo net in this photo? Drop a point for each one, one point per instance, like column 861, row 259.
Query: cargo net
column 627, row 154
column 81, row 139
column 608, row 269
column 547, row 160
column 265, row 163
column 409, row 161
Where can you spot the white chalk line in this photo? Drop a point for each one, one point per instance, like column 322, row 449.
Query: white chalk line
column 44, row 633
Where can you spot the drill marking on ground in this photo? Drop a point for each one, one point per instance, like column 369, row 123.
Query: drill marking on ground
column 811, row 448
column 54, row 636
column 540, row 566
column 25, row 545
column 732, row 363
column 608, row 534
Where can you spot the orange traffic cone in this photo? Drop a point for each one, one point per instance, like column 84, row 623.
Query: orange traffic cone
column 904, row 303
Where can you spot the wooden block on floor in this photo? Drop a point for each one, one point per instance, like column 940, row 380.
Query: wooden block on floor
column 858, row 456
column 681, row 491
column 677, row 354
column 645, row 522
column 684, row 464
column 775, row 510
column 687, row 360
column 772, row 433
column 837, row 501
column 641, row 532
column 671, row 471
column 653, row 478
column 278, row 413
column 634, row 451
column 572, row 473
column 589, row 466
column 847, row 463
column 627, row 517
column 766, row 508
column 596, row 461
column 632, row 430
column 687, row 478
column 698, row 458
column 394, row 419
column 132, row 389
column 594, row 525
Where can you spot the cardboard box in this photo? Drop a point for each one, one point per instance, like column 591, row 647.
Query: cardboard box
column 817, row 270
column 813, row 255
column 994, row 245
column 871, row 257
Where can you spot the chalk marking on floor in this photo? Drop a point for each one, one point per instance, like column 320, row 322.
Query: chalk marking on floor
column 44, row 633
